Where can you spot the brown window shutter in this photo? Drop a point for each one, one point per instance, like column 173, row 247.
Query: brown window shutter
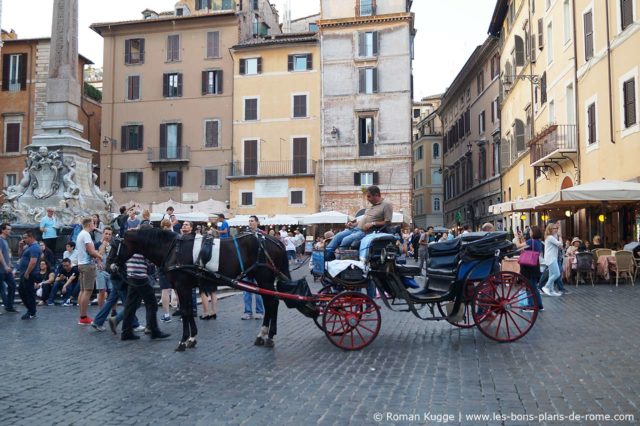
column 540, row 34
column 140, row 174
column 626, row 11
column 179, row 137
column 376, row 178
column 363, row 80
column 179, row 180
column 588, row 35
column 127, row 51
column 6, row 63
column 141, row 50
column 243, row 67
column 219, row 81
column 13, row 137
column 375, row 80
column 259, row 65
column 591, row 123
column 309, row 61
column 180, row 84
column 205, row 78
column 163, row 137
column 123, row 180
column 629, row 92
column 356, row 179
column 140, row 137
column 165, row 85
column 290, row 63
column 22, row 72
column 163, row 179
column 376, row 43
column 123, row 138
column 362, row 44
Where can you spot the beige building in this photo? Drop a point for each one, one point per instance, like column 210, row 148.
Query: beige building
column 168, row 99
column 471, row 140
column 276, row 126
column 367, row 52
column 570, row 102
column 428, row 194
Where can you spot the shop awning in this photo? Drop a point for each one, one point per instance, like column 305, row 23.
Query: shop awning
column 501, row 208
column 279, row 220
column 325, row 217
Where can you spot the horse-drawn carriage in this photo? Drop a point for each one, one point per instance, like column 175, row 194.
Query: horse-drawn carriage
column 464, row 286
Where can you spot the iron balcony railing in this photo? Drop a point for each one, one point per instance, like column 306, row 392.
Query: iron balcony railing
column 177, row 154
column 272, row 168
column 556, row 138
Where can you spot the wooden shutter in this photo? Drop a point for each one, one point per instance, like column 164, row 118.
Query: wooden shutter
column 22, row 71
column 163, row 141
column 300, row 155
column 179, row 139
column 180, row 84
column 140, row 137
column 356, row 179
column 127, row 51
column 213, row 44
column 13, row 137
column 290, row 63
column 219, row 81
column 309, row 61
column 376, row 43
column 123, row 180
column 376, row 178
column 629, row 95
column 519, row 51
column 362, row 44
column 163, row 179
column 179, row 178
column 139, row 179
column 626, row 11
column 243, row 66
column 205, row 81
column 141, row 43
column 363, row 80
column 375, row 80
column 165, row 85
column 6, row 71
column 259, row 65
column 543, row 88
column 591, row 123
column 588, row 35
column 250, row 157
column 123, row 138
column 540, row 34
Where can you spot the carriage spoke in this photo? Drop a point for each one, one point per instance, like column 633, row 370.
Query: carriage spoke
column 514, row 322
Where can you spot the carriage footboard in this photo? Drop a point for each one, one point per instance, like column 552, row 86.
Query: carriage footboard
column 298, row 288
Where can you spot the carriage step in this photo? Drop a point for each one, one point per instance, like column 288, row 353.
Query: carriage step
column 428, row 295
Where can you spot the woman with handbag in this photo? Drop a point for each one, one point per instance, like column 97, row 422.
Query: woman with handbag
column 530, row 263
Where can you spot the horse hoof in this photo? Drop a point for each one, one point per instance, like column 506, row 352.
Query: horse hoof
column 259, row 341
column 181, row 347
column 191, row 343
column 269, row 343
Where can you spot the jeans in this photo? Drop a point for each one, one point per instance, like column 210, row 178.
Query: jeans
column 138, row 291
column 8, row 295
column 422, row 257
column 27, row 293
column 554, row 273
column 558, row 281
column 117, row 292
column 103, row 280
column 248, row 309
column 534, row 283
column 344, row 239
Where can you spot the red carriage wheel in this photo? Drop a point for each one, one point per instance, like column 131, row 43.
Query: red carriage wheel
column 505, row 306
column 351, row 320
column 321, row 305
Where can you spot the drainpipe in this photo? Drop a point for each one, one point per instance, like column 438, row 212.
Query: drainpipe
column 30, row 88
column 533, row 121
column 113, row 100
column 322, row 133
column 609, row 77
column 575, row 91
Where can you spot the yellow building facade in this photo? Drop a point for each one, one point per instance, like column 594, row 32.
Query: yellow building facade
column 276, row 126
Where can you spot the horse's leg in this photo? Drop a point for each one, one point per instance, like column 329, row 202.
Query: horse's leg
column 262, row 334
column 184, row 297
column 191, row 320
column 272, row 308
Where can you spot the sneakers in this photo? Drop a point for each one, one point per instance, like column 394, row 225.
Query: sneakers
column 549, row 292
column 113, row 324
column 11, row 310
column 246, row 317
column 28, row 316
column 50, row 304
column 97, row 327
column 258, row 316
column 147, row 330
column 166, row 318
column 85, row 321
column 140, row 328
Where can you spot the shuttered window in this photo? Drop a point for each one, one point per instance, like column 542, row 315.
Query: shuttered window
column 173, row 48
column 540, row 33
column 251, row 109
column 14, row 72
column 133, row 88
column 212, row 82
column 12, row 137
column 170, row 178
column 543, row 88
column 299, row 106
column 368, row 44
column 172, row 85
column 296, row 197
column 300, row 62
column 211, row 177
column 300, row 156
column 368, row 80
column 626, row 13
column 588, row 35
column 203, row 4
column 250, row 66
column 212, row 133
column 629, row 100
column 213, row 44
column 250, row 157
column 131, row 180
column 131, row 138
column 246, row 199
column 591, row 124
column 134, row 51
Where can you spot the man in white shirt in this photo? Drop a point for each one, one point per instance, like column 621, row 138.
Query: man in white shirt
column 71, row 253
column 86, row 268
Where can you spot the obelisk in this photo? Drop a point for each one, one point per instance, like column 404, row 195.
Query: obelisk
column 59, row 166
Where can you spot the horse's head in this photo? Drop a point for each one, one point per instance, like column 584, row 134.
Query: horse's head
column 118, row 255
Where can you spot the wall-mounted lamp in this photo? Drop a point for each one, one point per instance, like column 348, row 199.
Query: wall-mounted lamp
column 544, row 217
column 335, row 133
column 106, row 140
column 567, row 213
column 601, row 218
column 523, row 217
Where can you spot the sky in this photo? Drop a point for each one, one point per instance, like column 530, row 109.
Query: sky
column 447, row 30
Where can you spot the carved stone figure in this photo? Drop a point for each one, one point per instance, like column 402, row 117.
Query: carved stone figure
column 14, row 192
column 71, row 189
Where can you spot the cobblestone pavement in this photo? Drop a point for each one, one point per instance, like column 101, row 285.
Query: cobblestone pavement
column 581, row 357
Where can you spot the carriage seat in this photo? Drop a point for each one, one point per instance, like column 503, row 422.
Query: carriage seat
column 408, row 271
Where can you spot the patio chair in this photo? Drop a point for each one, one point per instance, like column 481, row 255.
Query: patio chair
column 625, row 263
column 635, row 271
column 585, row 266
column 603, row 252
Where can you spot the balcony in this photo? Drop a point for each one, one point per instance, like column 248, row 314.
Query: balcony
column 554, row 144
column 250, row 169
column 179, row 154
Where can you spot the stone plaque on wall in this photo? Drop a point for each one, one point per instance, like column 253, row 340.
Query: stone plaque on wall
column 272, row 188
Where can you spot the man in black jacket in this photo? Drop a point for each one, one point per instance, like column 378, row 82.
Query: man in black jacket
column 415, row 243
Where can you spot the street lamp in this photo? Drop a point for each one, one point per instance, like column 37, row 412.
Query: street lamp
column 105, row 143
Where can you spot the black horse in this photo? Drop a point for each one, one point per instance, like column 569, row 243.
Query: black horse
column 252, row 256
